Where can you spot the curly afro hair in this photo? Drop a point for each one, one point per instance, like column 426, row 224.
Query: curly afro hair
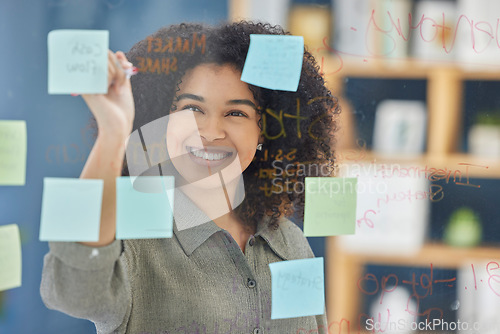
column 298, row 127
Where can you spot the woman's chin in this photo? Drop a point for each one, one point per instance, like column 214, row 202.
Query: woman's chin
column 212, row 183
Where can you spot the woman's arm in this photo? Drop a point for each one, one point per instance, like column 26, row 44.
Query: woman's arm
column 88, row 283
column 114, row 113
column 89, row 280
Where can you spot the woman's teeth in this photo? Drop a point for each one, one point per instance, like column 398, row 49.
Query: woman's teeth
column 208, row 156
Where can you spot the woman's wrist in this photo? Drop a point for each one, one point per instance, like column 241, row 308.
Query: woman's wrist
column 114, row 125
column 116, row 128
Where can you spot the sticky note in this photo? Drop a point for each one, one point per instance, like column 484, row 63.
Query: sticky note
column 330, row 206
column 71, row 209
column 274, row 62
column 78, row 61
column 10, row 257
column 298, row 288
column 147, row 213
column 13, row 147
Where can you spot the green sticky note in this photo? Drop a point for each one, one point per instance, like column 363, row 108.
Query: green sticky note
column 298, row 288
column 13, row 147
column 78, row 61
column 330, row 206
column 10, row 257
column 71, row 209
column 147, row 213
column 274, row 62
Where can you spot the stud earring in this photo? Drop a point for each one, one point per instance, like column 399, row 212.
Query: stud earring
column 259, row 147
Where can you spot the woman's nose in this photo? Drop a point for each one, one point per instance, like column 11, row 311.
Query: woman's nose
column 212, row 128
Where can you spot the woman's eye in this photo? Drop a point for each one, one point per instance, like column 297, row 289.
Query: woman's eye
column 192, row 108
column 236, row 113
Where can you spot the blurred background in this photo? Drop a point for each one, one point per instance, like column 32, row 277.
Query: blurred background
column 418, row 84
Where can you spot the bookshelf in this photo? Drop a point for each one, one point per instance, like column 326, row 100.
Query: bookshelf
column 444, row 103
column 445, row 87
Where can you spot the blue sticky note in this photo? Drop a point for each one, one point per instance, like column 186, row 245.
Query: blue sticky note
column 146, row 213
column 71, row 209
column 298, row 288
column 78, row 61
column 274, row 62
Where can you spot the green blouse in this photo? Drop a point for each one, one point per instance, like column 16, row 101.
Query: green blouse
column 198, row 281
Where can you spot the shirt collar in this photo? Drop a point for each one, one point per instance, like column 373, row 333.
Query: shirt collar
column 192, row 238
column 274, row 237
column 186, row 212
column 196, row 226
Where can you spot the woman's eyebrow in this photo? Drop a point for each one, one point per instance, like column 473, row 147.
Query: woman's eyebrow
column 243, row 101
column 190, row 96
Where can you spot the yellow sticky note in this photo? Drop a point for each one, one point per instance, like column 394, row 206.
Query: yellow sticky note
column 13, row 147
column 10, row 257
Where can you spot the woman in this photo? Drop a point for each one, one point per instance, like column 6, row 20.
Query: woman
column 212, row 276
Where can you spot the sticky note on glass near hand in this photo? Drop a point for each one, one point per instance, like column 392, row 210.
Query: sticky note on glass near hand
column 298, row 288
column 78, row 61
column 274, row 62
column 147, row 213
column 71, row 209
column 330, row 206
column 10, row 257
column 13, row 147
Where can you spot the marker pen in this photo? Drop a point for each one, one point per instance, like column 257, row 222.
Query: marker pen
column 131, row 71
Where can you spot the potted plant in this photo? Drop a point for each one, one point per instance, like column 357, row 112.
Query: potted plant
column 464, row 229
column 484, row 135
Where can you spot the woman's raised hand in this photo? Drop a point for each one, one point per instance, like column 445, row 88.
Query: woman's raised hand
column 114, row 111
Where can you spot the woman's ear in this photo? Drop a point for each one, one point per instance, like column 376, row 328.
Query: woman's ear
column 261, row 140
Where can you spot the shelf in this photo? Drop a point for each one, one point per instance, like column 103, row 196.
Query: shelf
column 439, row 255
column 465, row 164
column 399, row 69
column 344, row 269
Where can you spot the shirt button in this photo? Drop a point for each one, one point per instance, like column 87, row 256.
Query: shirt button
column 257, row 330
column 251, row 284
column 252, row 241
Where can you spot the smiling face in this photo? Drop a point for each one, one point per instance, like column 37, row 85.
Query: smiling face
column 214, row 125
